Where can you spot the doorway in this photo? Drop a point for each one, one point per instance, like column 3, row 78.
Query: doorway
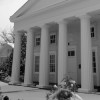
column 72, row 63
column 95, row 66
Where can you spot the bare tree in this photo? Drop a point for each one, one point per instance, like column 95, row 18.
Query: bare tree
column 7, row 37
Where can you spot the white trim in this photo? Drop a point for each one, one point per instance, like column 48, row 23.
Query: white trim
column 97, row 69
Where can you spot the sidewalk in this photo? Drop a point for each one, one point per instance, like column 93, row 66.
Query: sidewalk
column 28, row 93
column 14, row 88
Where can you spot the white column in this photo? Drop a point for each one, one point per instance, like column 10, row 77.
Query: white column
column 28, row 77
column 86, row 55
column 44, row 55
column 62, row 51
column 16, row 59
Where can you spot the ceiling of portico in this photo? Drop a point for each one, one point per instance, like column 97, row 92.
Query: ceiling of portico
column 95, row 15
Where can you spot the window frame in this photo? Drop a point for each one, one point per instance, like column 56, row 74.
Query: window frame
column 38, row 36
column 93, row 26
column 51, row 34
column 94, row 62
column 52, row 53
column 95, row 49
column 70, row 53
column 72, row 48
column 35, row 55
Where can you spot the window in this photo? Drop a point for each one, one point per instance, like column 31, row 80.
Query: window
column 52, row 38
column 52, row 63
column 37, row 58
column 92, row 30
column 71, row 53
column 37, row 40
column 94, row 61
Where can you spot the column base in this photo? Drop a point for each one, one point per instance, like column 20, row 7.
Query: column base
column 28, row 85
column 86, row 90
column 47, row 87
column 14, row 83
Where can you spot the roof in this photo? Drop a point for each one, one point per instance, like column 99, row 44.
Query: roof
column 33, row 6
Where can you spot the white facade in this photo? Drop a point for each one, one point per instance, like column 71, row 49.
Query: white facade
column 59, row 42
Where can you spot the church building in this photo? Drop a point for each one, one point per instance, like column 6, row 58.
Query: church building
column 63, row 39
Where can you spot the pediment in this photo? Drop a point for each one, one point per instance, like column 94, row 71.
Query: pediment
column 42, row 4
column 32, row 6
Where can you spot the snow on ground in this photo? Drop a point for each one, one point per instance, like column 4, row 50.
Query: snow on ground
column 26, row 93
column 89, row 96
column 40, row 95
column 3, row 83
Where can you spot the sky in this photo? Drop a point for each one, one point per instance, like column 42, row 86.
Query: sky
column 8, row 8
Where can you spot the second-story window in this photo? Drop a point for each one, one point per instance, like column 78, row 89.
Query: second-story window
column 92, row 30
column 52, row 38
column 37, row 40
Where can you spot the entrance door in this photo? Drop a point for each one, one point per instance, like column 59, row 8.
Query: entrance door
column 95, row 66
column 72, row 63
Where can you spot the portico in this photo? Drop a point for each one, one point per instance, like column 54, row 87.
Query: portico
column 57, row 34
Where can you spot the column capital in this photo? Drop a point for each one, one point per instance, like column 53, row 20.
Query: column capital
column 62, row 21
column 18, row 33
column 81, row 16
column 31, row 30
column 46, row 25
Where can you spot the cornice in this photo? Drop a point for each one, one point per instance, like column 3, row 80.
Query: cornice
column 41, row 11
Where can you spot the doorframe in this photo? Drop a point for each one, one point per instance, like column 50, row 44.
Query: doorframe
column 53, row 73
column 73, row 47
column 94, row 48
